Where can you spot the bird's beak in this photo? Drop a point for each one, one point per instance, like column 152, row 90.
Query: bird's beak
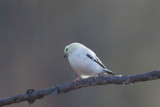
column 65, row 55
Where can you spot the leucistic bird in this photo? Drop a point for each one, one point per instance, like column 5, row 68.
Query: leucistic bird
column 84, row 61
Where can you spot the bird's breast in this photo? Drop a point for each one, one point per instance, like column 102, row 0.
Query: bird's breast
column 83, row 65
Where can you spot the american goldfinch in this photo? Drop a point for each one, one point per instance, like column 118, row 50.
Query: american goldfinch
column 84, row 61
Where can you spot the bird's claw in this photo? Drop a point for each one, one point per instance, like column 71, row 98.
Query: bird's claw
column 77, row 79
column 96, row 76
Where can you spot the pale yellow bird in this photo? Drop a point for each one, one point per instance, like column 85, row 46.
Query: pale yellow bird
column 84, row 61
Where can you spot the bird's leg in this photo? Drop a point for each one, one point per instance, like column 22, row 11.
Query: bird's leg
column 96, row 76
column 77, row 79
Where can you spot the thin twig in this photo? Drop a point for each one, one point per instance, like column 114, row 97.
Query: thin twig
column 31, row 95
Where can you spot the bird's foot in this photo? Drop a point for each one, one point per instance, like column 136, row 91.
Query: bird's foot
column 77, row 79
column 96, row 76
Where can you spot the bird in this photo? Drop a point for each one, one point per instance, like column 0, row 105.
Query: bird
column 84, row 61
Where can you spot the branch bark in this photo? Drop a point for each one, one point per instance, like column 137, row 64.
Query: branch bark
column 31, row 95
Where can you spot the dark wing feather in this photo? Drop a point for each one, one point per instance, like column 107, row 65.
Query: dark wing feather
column 96, row 59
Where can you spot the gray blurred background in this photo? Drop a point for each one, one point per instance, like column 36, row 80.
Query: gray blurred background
column 125, row 34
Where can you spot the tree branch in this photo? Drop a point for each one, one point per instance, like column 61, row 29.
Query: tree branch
column 31, row 94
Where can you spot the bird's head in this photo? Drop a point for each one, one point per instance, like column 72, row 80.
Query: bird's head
column 71, row 48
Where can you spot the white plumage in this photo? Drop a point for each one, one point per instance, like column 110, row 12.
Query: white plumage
column 84, row 61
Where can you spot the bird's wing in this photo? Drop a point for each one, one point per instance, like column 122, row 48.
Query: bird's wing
column 96, row 59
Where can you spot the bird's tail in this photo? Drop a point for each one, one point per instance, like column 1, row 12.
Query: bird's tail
column 110, row 72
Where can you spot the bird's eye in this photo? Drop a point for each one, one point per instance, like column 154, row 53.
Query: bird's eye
column 67, row 49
